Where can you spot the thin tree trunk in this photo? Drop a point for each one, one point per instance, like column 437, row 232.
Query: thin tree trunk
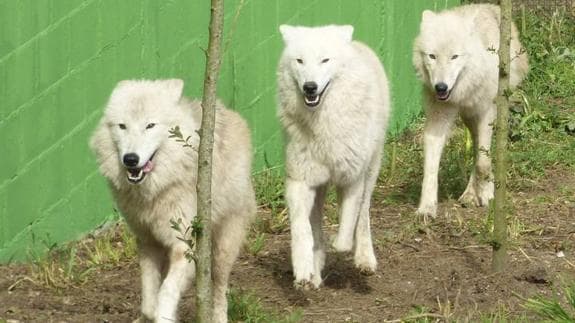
column 502, row 100
column 204, row 186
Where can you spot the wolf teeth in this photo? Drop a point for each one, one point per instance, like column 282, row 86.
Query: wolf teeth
column 136, row 177
column 315, row 100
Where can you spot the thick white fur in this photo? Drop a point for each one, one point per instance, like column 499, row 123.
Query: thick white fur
column 472, row 33
column 339, row 142
column 168, row 192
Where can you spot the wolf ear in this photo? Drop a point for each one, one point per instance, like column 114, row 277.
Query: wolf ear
column 346, row 32
column 121, row 87
column 287, row 32
column 427, row 16
column 174, row 88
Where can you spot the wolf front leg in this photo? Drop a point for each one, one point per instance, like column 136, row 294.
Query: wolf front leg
column 351, row 198
column 438, row 124
column 151, row 259
column 179, row 275
column 480, row 189
column 300, row 199
column 364, row 255
column 316, row 227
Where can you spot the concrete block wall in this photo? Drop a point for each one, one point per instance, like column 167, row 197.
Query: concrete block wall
column 59, row 60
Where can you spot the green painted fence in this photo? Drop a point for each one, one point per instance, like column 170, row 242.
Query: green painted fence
column 59, row 60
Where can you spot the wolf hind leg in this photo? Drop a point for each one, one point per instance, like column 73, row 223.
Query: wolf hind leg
column 228, row 237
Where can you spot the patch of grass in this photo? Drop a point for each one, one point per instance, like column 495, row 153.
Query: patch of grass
column 110, row 249
column 72, row 264
column 269, row 187
column 59, row 269
column 247, row 308
column 422, row 314
column 560, row 308
column 542, row 134
column 500, row 315
column 257, row 243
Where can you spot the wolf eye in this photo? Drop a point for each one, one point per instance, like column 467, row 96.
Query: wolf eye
column 454, row 56
column 150, row 125
column 299, row 60
column 325, row 60
column 432, row 56
column 122, row 126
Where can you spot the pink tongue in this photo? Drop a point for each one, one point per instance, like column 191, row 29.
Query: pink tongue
column 148, row 167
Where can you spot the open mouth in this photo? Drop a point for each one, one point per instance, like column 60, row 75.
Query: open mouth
column 137, row 174
column 313, row 100
column 443, row 95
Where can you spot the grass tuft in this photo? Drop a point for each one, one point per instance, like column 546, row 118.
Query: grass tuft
column 554, row 309
column 247, row 308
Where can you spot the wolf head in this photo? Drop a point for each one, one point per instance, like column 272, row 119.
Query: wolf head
column 442, row 51
column 313, row 56
column 135, row 125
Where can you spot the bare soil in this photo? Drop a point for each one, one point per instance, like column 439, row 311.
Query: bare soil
column 443, row 265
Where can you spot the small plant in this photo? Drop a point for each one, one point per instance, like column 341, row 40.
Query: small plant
column 247, row 308
column 269, row 186
column 554, row 309
column 179, row 137
column 189, row 234
column 72, row 264
column 257, row 243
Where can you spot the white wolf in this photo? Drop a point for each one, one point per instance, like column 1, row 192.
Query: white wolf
column 334, row 107
column 153, row 179
column 455, row 55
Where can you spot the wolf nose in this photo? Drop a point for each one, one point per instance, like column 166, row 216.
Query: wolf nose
column 131, row 160
column 310, row 87
column 441, row 87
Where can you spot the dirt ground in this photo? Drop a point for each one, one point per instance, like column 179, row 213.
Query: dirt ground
column 443, row 266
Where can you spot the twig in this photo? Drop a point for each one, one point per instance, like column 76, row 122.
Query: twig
column 411, row 246
column 569, row 263
column 475, row 246
column 25, row 278
column 525, row 254
column 342, row 309
column 418, row 316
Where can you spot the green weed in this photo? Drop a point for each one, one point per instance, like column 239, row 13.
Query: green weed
column 247, row 308
column 269, row 187
column 554, row 309
column 72, row 264
column 257, row 243
column 543, row 123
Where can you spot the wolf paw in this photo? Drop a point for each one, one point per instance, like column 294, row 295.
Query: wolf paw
column 366, row 270
column 306, row 285
column 366, row 264
column 486, row 194
column 142, row 319
column 426, row 211
column 469, row 199
column 364, row 258
column 342, row 245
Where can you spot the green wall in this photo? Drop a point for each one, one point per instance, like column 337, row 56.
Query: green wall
column 59, row 60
